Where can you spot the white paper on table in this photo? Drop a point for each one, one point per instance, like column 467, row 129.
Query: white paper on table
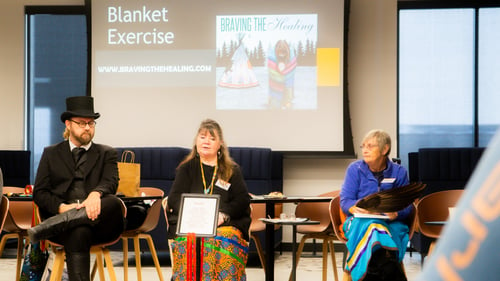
column 371, row 216
column 284, row 220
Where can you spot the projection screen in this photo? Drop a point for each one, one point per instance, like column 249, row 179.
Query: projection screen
column 270, row 72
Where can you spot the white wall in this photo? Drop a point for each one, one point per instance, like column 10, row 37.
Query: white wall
column 371, row 85
column 372, row 92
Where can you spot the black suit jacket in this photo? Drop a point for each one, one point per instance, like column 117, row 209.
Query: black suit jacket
column 56, row 172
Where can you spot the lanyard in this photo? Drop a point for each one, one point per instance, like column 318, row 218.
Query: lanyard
column 210, row 187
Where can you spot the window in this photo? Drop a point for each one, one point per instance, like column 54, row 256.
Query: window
column 488, row 80
column 56, row 68
column 446, row 93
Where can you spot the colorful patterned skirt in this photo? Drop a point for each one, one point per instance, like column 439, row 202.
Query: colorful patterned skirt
column 224, row 257
column 365, row 236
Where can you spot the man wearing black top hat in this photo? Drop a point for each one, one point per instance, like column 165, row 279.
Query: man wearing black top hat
column 74, row 190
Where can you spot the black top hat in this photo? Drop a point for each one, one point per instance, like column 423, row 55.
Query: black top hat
column 82, row 106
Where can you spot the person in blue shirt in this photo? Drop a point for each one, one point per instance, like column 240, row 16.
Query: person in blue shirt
column 376, row 246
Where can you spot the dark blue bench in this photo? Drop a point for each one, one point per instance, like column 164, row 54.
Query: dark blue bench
column 261, row 167
column 440, row 169
column 16, row 167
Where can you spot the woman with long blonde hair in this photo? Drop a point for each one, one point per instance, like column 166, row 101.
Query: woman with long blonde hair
column 209, row 169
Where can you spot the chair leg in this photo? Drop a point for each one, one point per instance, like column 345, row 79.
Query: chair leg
column 153, row 253
column 109, row 264
column 58, row 265
column 20, row 255
column 325, row 258
column 172, row 261
column 260, row 252
column 2, row 243
column 93, row 271
column 5, row 237
column 299, row 253
column 137, row 251
column 334, row 260
column 125, row 258
column 344, row 258
column 100, row 265
column 431, row 248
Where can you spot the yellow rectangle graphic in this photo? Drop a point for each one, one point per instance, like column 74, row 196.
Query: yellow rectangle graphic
column 328, row 66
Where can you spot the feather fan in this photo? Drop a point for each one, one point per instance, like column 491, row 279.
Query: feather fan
column 392, row 200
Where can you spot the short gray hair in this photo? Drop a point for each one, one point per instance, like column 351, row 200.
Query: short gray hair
column 382, row 138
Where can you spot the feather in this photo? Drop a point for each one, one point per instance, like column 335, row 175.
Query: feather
column 391, row 200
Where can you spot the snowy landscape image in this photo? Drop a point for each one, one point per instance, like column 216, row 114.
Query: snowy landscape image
column 257, row 97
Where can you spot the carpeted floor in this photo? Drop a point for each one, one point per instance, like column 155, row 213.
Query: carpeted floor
column 309, row 268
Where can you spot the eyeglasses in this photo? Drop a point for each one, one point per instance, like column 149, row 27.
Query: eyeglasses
column 84, row 124
column 368, row 146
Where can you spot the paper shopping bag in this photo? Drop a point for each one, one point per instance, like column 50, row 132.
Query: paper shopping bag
column 129, row 173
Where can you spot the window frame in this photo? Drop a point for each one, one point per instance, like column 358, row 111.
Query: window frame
column 444, row 4
column 29, row 11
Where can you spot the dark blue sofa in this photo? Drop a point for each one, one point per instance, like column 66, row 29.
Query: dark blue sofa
column 262, row 169
column 16, row 170
column 16, row 167
column 441, row 169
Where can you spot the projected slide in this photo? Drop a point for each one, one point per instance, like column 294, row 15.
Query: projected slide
column 243, row 64
column 257, row 59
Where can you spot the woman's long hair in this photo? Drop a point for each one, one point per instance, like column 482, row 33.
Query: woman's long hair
column 224, row 162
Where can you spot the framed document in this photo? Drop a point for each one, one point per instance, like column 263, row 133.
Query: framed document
column 198, row 214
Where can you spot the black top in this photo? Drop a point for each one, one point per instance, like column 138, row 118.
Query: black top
column 235, row 201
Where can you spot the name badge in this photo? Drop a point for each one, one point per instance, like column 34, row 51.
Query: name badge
column 389, row 180
column 223, row 184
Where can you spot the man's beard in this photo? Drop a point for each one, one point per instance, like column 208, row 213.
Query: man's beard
column 84, row 138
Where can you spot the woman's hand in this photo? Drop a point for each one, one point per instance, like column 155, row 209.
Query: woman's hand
column 358, row 210
column 222, row 218
column 392, row 216
column 92, row 205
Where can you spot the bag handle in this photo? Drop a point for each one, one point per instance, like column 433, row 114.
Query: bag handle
column 127, row 153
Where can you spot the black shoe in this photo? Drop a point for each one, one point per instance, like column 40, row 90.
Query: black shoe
column 384, row 265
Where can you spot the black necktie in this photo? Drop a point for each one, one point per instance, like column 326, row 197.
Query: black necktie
column 77, row 153
column 77, row 190
column 80, row 156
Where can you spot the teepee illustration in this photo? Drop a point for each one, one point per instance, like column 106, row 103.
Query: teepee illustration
column 240, row 73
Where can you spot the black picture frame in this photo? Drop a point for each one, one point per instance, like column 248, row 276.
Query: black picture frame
column 199, row 214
